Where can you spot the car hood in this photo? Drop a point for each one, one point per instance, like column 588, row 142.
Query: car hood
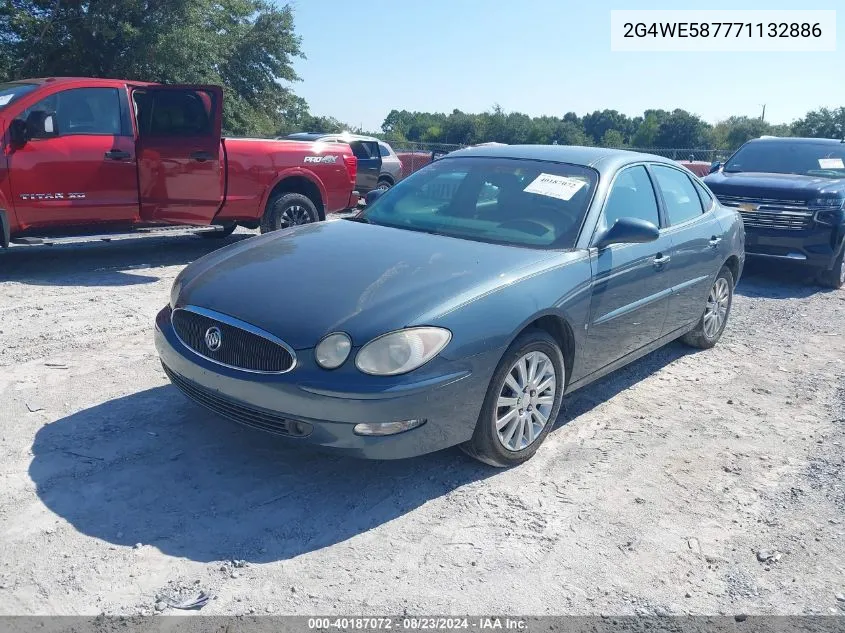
column 774, row 186
column 303, row 283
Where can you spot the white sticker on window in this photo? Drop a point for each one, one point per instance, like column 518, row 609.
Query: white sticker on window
column 4, row 99
column 831, row 163
column 561, row 187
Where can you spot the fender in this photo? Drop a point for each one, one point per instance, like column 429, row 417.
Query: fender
column 288, row 173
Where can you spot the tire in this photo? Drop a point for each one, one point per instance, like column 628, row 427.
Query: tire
column 384, row 184
column 288, row 209
column 498, row 446
column 717, row 309
column 834, row 278
column 228, row 229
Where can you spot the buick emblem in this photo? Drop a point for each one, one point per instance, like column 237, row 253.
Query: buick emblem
column 213, row 338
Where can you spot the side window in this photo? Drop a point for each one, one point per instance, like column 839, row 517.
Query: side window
column 92, row 111
column 631, row 196
column 704, row 194
column 361, row 150
column 383, row 150
column 679, row 194
column 174, row 113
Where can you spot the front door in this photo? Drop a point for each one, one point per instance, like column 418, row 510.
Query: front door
column 180, row 170
column 631, row 285
column 697, row 249
column 83, row 170
column 369, row 165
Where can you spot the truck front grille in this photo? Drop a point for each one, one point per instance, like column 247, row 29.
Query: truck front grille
column 239, row 345
column 769, row 213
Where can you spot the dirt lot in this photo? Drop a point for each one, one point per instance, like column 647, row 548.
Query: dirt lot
column 657, row 493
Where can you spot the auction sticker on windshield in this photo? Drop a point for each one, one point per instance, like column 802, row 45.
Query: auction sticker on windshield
column 831, row 163
column 561, row 187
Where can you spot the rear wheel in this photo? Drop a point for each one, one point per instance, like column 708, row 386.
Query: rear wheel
column 288, row 209
column 384, row 184
column 522, row 402
column 709, row 329
column 834, row 278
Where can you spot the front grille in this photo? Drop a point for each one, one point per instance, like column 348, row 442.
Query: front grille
column 239, row 348
column 789, row 215
column 238, row 411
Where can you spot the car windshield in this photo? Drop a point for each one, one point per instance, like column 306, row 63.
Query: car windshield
column 11, row 91
column 500, row 200
column 808, row 159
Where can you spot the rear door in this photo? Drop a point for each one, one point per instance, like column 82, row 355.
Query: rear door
column 697, row 252
column 631, row 283
column 369, row 164
column 180, row 168
column 83, row 171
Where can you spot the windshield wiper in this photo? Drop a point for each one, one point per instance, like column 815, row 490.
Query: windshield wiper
column 360, row 219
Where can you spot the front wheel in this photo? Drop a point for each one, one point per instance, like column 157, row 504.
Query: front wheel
column 384, row 185
column 834, row 278
column 288, row 209
column 709, row 329
column 522, row 402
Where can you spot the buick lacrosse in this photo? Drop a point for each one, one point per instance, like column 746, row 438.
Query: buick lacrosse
column 460, row 306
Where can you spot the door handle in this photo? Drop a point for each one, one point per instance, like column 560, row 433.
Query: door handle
column 117, row 154
column 202, row 156
column 661, row 260
column 714, row 241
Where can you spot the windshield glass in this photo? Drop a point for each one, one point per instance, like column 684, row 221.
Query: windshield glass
column 809, row 159
column 11, row 91
column 500, row 200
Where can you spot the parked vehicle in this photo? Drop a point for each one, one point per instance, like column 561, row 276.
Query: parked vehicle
column 378, row 165
column 699, row 167
column 99, row 156
column 791, row 194
column 460, row 305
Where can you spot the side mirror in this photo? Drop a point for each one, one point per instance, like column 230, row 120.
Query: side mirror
column 18, row 132
column 374, row 195
column 629, row 231
column 714, row 167
column 438, row 153
column 41, row 124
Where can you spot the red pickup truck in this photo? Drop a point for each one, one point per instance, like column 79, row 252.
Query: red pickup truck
column 99, row 156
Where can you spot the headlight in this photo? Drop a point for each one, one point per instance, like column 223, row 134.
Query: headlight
column 827, row 203
column 401, row 351
column 333, row 350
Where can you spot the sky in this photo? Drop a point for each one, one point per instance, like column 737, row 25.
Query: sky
column 365, row 58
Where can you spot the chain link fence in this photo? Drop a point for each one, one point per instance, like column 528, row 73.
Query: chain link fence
column 415, row 155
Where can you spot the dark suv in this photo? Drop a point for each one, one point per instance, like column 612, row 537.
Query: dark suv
column 791, row 194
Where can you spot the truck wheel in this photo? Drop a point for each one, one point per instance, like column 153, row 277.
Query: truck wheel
column 834, row 278
column 384, row 184
column 709, row 329
column 288, row 209
column 228, row 229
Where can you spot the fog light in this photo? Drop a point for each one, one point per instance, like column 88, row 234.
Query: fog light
column 386, row 428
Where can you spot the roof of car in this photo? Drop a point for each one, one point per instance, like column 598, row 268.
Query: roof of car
column 796, row 139
column 601, row 158
column 314, row 136
column 65, row 80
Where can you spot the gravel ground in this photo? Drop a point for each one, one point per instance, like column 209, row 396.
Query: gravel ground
column 705, row 483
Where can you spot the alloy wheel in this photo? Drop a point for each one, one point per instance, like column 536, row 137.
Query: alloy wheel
column 716, row 310
column 525, row 401
column 294, row 215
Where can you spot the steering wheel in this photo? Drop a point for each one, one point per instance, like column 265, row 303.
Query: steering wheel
column 526, row 226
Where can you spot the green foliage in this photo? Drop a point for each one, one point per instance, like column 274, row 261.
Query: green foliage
column 612, row 138
column 825, row 123
column 247, row 46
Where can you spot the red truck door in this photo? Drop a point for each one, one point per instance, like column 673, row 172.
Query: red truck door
column 77, row 166
column 180, row 171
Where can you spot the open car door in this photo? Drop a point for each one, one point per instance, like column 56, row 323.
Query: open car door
column 180, row 170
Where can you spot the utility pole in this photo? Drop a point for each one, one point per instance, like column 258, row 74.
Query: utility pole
column 763, row 116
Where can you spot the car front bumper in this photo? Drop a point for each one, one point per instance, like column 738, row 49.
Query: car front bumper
column 318, row 407
column 816, row 248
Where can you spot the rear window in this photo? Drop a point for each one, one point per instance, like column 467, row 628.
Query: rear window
column 825, row 160
column 505, row 201
column 11, row 92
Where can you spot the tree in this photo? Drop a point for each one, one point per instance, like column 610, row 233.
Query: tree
column 599, row 122
column 247, row 46
column 613, row 138
column 822, row 123
column 681, row 129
